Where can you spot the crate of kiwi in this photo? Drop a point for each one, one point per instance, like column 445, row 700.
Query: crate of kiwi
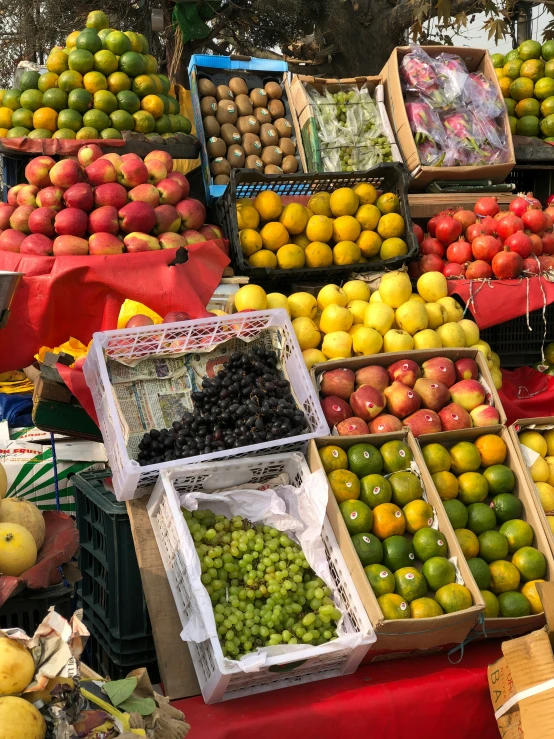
column 242, row 118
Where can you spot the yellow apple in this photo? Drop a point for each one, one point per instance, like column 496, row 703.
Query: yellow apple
column 313, row 356
column 427, row 339
column 451, row 334
column 484, row 348
column 395, row 289
column 331, row 295
column 367, row 341
column 397, row 340
column 432, row 286
column 375, row 297
column 337, row 345
column 411, row 317
column 357, row 308
column 355, row 328
column 302, row 305
column 357, row 290
column 306, row 332
column 496, row 377
column 471, row 330
column 548, row 436
column 436, row 314
column 278, row 300
column 251, row 297
column 335, row 318
column 379, row 316
column 454, row 310
column 415, row 298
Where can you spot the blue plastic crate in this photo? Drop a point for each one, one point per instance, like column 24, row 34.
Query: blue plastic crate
column 223, row 67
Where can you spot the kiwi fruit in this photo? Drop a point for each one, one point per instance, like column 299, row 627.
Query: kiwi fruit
column 208, row 106
column 258, row 97
column 211, row 126
column 268, row 135
column 272, row 155
column 272, row 169
column 254, row 162
column 248, row 124
column 251, row 144
column 288, row 146
column 276, row 108
column 220, row 166
column 284, row 127
column 206, row 87
column 273, row 90
column 289, row 164
column 244, row 106
column 222, row 179
column 262, row 115
column 235, row 156
column 216, row 147
column 223, row 93
column 238, row 86
column 226, row 112
column 230, row 134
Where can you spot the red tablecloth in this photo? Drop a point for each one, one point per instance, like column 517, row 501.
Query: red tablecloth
column 411, row 698
column 497, row 301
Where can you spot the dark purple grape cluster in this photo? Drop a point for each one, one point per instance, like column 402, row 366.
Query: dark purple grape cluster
column 248, row 402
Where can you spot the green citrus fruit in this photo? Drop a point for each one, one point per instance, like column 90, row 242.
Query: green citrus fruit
column 511, row 69
column 446, row 484
column 405, row 487
column 393, row 606
column 174, row 109
column 492, row 546
column 513, row 54
column 529, row 50
column 481, row 518
column 22, row 117
column 163, row 124
column 64, row 133
column 143, row 85
column 186, row 125
column 522, row 88
column 518, row 533
column 547, row 107
column 528, row 126
column 500, row 478
column 166, row 84
column 469, row 543
column 380, row 578
column 105, row 62
column 95, row 81
column 473, row 488
column 418, row 515
column 549, row 68
column 504, row 576
column 29, row 80
column 103, row 32
column 97, row 119
column 97, row 19
column 71, row 119
column 151, row 65
column 368, row 548
column 429, row 543
column 456, row 512
column 547, row 51
column 480, row 571
column 132, row 64
column 79, row 100
column 510, row 105
column 344, row 484
column 57, row 62
column 105, row 101
column 87, row 133
column 81, row 61
column 547, row 126
column 47, row 81
column 31, row 99
column 117, row 42
column 544, row 88
column 530, row 562
column 528, row 106
column 17, row 132
column 88, row 40
column 506, row 507
column 11, row 99
column 438, row 572
column 357, row 516
column 497, row 60
column 375, row 490
column 453, row 598
column 410, row 583
column 397, row 455
column 397, row 552
column 119, row 81
column 492, row 607
column 333, row 458
column 513, row 605
column 364, row 459
column 40, row 133
column 464, row 457
column 165, row 101
column 532, row 68
column 425, row 608
column 144, row 43
column 70, row 80
column 436, row 458
column 128, row 101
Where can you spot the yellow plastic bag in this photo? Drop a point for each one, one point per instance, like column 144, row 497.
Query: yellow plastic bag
column 132, row 308
column 185, row 104
column 74, row 347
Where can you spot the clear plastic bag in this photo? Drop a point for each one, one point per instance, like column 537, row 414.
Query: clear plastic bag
column 425, row 123
column 481, row 96
column 419, row 75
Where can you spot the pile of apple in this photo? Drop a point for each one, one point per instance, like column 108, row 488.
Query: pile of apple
column 441, row 395
column 101, row 204
column 486, row 242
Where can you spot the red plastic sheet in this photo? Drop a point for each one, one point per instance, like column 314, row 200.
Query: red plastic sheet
column 496, row 301
column 56, row 147
column 61, row 541
column 526, row 393
column 401, row 699
column 61, row 297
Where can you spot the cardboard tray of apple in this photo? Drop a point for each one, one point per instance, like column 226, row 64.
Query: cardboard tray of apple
column 488, row 242
column 102, row 204
column 427, row 391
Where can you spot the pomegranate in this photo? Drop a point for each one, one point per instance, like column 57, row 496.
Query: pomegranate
column 507, row 265
column 485, row 247
column 465, row 217
column 534, row 204
column 448, row 230
column 432, row 225
column 535, row 221
column 501, row 214
column 414, row 270
column 454, row 270
column 520, row 243
column 476, row 230
column 518, row 206
column 459, row 252
column 508, row 225
column 532, row 265
column 431, row 263
column 549, row 211
column 546, row 262
column 550, row 200
column 478, row 270
column 537, row 244
column 418, row 231
column 549, row 220
column 487, row 206
column 548, row 243
column 432, row 246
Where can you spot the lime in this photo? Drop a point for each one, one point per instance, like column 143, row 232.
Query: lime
column 166, row 84
column 418, row 515
column 410, row 583
column 97, row 119
column 429, row 543
column 117, row 82
column 364, row 459
column 393, row 607
column 396, row 455
column 103, row 32
column 81, row 61
column 547, row 107
column 70, row 80
column 481, row 518
column 529, row 50
column 544, row 88
column 506, row 507
column 492, row 607
column 174, row 104
column 504, row 576
column 464, row 457
column 500, row 478
column 511, row 69
column 425, row 608
column 473, row 488
column 186, row 125
column 549, row 68
column 510, row 105
column 144, row 42
column 70, row 119
column 105, row 62
column 492, row 546
column 547, row 126
column 117, row 42
column 163, row 124
column 374, row 490
column 469, row 543
column 97, row 19
column 453, row 597
column 528, row 125
column 64, row 133
column 128, row 101
column 144, row 122
column 136, row 44
column 480, row 571
column 518, row 533
column 40, row 133
column 11, row 99
column 132, row 64
column 439, row 571
column 144, row 85
column 457, row 513
column 513, row 605
column 89, row 41
column 29, row 80
column 79, row 100
column 105, row 101
column 547, row 51
column 152, row 66
column 175, row 126
column 47, row 81
column 406, row 487
column 436, row 458
column 397, row 552
column 380, row 578
column 17, row 132
column 357, row 516
column 165, row 101
column 31, row 99
column 22, row 117
column 87, row 132
column 497, row 60
column 368, row 548
column 530, row 562
column 446, row 484
column 333, row 458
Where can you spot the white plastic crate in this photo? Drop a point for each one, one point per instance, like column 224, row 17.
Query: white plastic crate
column 130, row 480
column 308, row 664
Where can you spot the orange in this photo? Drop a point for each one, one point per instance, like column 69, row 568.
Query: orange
column 47, row 80
column 388, row 520
column 274, row 236
column 105, row 101
column 4, row 132
column 45, row 118
column 94, row 81
column 118, row 81
column 71, row 40
column 6, row 117
column 529, row 590
column 469, row 543
column 57, row 62
column 70, row 80
column 492, row 449
column 345, row 485
column 144, row 85
column 153, row 105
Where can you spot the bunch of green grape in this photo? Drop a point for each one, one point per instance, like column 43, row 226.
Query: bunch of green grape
column 262, row 588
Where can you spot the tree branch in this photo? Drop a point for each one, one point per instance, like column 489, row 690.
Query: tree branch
column 403, row 14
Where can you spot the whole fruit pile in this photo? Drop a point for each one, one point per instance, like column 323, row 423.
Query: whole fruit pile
column 382, row 505
column 101, row 204
column 487, row 242
column 101, row 83
column 347, row 226
column 526, row 77
column 248, row 402
column 477, row 491
column 438, row 396
column 538, row 455
column 262, row 589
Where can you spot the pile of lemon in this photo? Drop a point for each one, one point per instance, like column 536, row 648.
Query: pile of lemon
column 347, row 226
column 101, row 83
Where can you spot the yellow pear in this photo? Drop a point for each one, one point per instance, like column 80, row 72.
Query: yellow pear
column 548, row 436
column 375, row 297
column 432, row 286
column 451, row 334
column 251, row 297
column 395, row 289
column 313, row 356
column 397, row 340
column 539, row 470
column 367, row 341
column 357, row 290
column 379, row 316
column 496, row 360
column 496, row 377
column 436, row 314
column 337, row 345
column 454, row 310
column 546, row 496
column 471, row 330
column 335, row 318
column 302, row 305
column 534, row 441
column 550, row 462
column 331, row 295
column 412, row 317
column 357, row 308
column 306, row 332
column 278, row 300
column 427, row 339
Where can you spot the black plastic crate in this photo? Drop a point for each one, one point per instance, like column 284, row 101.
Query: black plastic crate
column 27, row 609
column 13, row 170
column 535, row 178
column 389, row 177
column 111, row 581
column 515, row 344
column 124, row 647
column 99, row 657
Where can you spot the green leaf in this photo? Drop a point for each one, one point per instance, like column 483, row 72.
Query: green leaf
column 144, row 706
column 120, row 690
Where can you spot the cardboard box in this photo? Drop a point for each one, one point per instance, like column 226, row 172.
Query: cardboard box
column 515, row 429
column 404, row 634
column 419, row 356
column 426, row 204
column 504, row 627
column 521, row 683
column 476, row 60
column 304, row 116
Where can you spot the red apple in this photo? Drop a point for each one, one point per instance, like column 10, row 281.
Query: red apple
column 384, row 424
column 335, row 409
column 79, row 196
column 171, row 240
column 139, row 241
column 89, row 154
column 338, row 382
column 466, row 369
column 367, row 402
column 182, row 180
column 104, row 243
column 38, row 245
column 37, row 172
column 104, row 220
column 11, row 240
column 145, row 193
column 405, row 371
column 454, row 417
column 41, row 221
column 50, row 197
column 352, row 427
column 167, row 219
column 110, row 194
column 422, row 422
column 70, row 246
column 137, row 216
column 65, row 173
column 71, row 222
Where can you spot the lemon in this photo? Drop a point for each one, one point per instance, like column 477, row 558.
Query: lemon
column 247, row 217
column 539, row 470
column 294, row 218
column 366, row 193
column 250, row 241
column 318, row 254
column 535, row 441
column 368, row 216
column 290, row 256
column 319, row 204
column 346, row 252
column 369, row 243
column 263, row 258
column 346, row 228
column 393, row 248
column 390, row 226
column 344, row 202
column 274, row 236
column 268, row 204
column 319, row 228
